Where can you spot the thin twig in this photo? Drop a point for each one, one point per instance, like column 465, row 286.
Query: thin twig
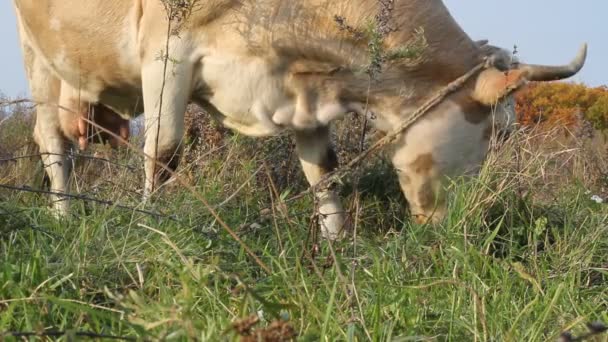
column 271, row 195
column 236, row 192
column 357, row 202
column 162, row 91
column 34, row 104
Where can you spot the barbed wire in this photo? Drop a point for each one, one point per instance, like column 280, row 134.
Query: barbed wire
column 89, row 199
column 59, row 333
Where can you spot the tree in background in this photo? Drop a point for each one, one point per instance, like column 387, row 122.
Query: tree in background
column 563, row 104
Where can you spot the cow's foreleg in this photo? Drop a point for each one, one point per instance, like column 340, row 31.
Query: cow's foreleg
column 166, row 95
column 318, row 158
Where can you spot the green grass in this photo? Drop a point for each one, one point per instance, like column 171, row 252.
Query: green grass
column 502, row 267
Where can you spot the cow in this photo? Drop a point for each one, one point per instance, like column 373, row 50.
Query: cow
column 264, row 66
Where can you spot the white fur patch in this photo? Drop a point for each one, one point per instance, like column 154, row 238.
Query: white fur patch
column 454, row 143
column 284, row 115
column 326, row 113
column 330, row 112
column 332, row 219
column 261, row 113
column 304, row 120
column 247, row 92
column 127, row 42
column 55, row 24
column 252, row 99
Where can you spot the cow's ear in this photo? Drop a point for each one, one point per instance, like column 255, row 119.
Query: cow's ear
column 493, row 84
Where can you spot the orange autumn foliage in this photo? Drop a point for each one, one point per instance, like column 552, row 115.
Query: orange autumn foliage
column 560, row 103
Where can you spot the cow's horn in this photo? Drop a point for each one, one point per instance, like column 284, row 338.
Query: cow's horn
column 553, row 73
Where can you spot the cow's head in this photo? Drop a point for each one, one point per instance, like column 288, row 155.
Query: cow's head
column 453, row 138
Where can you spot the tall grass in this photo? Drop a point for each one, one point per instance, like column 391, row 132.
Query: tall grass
column 520, row 257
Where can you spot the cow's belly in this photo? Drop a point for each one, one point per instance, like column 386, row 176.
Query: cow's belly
column 245, row 92
column 91, row 45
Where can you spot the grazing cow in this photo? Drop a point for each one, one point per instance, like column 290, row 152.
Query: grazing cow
column 262, row 66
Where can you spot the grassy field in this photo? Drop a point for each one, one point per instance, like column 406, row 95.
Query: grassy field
column 522, row 256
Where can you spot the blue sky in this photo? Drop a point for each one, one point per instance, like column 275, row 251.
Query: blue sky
column 545, row 31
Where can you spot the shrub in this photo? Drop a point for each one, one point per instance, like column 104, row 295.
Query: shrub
column 558, row 104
